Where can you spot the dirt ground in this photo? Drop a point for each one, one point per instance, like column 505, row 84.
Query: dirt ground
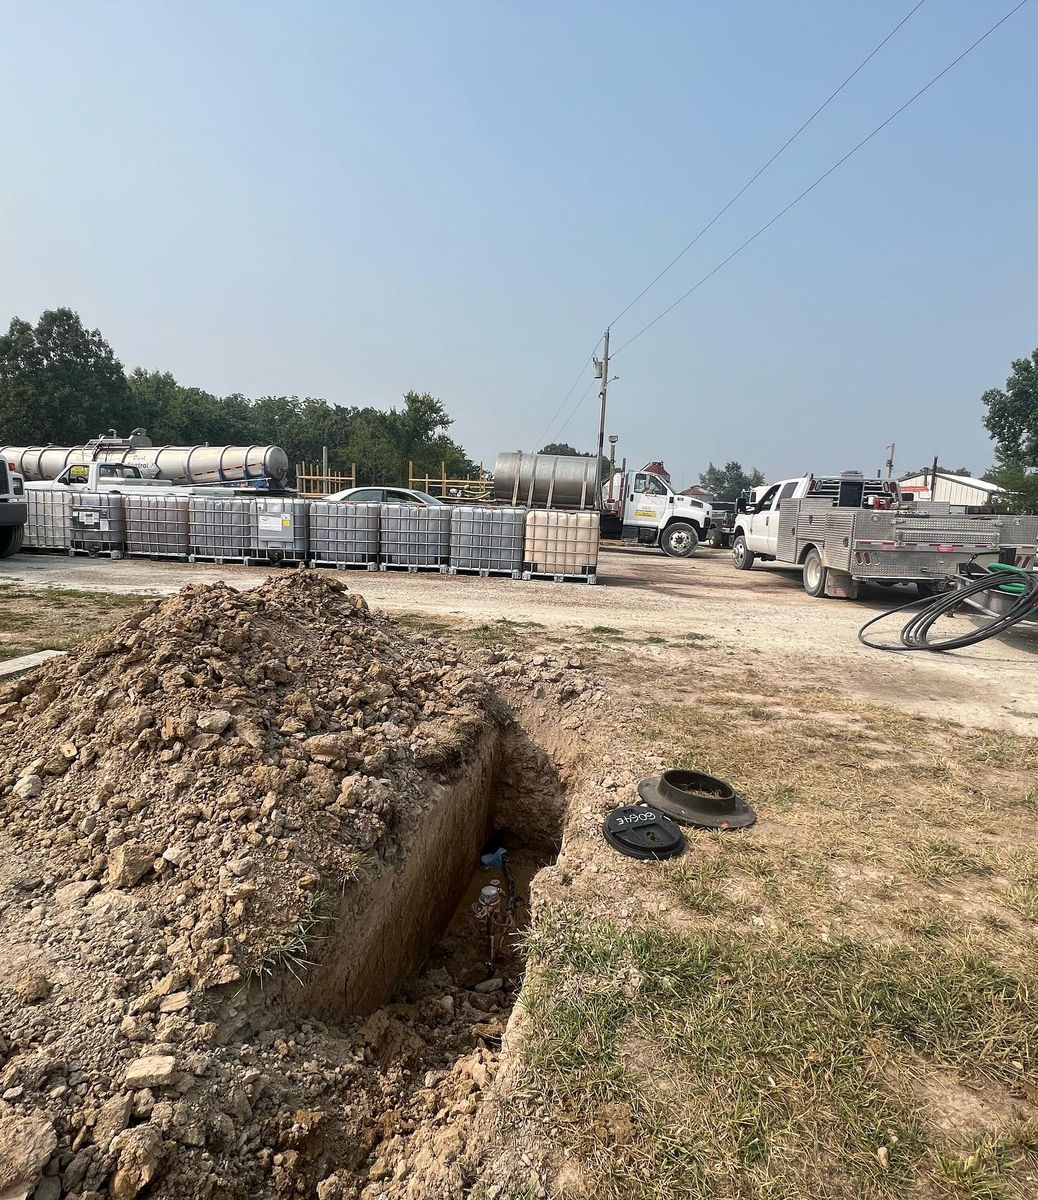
column 761, row 619
column 837, row 1002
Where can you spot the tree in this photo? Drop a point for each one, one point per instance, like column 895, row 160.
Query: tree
column 1012, row 416
column 1012, row 421
column 727, row 482
column 59, row 382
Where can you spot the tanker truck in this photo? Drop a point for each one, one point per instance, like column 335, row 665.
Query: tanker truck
column 252, row 467
column 643, row 504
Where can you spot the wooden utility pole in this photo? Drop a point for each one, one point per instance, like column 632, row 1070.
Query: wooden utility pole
column 890, row 460
column 933, row 478
column 601, row 421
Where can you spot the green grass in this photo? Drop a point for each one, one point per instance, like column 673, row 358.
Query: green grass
column 795, row 1022
column 33, row 619
column 763, row 1067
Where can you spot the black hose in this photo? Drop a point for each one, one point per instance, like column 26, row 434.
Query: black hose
column 915, row 634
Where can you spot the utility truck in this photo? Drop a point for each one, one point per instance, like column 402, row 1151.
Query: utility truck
column 653, row 514
column 842, row 530
column 14, row 511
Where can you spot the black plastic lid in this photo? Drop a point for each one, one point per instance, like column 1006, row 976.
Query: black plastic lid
column 641, row 832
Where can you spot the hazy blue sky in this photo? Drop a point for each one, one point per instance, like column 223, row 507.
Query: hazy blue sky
column 350, row 200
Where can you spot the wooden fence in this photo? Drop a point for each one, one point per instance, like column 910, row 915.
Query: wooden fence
column 313, row 481
column 460, row 491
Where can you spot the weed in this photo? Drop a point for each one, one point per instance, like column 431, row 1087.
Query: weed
column 292, row 952
column 698, row 882
column 937, row 860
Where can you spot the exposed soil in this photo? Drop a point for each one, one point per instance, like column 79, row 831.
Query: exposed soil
column 833, row 1003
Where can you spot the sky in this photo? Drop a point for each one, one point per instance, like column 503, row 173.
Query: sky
column 353, row 200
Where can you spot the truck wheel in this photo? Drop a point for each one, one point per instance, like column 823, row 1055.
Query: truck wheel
column 933, row 587
column 679, row 540
column 814, row 574
column 716, row 540
column 742, row 555
column 11, row 540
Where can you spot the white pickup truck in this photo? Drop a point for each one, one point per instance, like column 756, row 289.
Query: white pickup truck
column 102, row 477
column 653, row 514
column 14, row 511
column 845, row 529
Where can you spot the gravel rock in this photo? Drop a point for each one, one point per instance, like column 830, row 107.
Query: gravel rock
column 26, row 1144
column 153, row 1070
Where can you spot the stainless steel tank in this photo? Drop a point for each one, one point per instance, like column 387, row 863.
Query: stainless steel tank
column 559, row 480
column 197, row 465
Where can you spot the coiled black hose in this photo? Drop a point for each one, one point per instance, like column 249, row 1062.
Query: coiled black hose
column 915, row 634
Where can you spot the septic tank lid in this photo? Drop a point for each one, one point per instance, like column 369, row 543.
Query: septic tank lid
column 694, row 798
column 641, row 832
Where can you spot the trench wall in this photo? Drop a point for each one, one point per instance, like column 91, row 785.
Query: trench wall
column 385, row 927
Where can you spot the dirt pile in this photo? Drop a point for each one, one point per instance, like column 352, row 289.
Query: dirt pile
column 180, row 800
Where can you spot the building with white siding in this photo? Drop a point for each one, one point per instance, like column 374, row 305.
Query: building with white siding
column 956, row 489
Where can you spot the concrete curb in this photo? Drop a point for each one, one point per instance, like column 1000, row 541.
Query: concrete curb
column 11, row 667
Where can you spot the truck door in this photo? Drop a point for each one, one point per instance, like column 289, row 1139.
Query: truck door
column 786, row 490
column 759, row 523
column 648, row 502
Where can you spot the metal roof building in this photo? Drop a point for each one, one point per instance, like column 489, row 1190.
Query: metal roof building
column 955, row 489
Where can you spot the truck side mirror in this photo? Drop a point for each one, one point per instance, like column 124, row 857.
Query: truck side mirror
column 740, row 504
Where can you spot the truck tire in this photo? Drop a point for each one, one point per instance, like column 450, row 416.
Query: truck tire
column 679, row 540
column 933, row 587
column 814, row 574
column 11, row 540
column 742, row 556
column 717, row 540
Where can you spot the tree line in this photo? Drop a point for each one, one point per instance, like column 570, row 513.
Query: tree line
column 62, row 383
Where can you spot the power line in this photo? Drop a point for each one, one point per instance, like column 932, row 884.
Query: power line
column 717, row 216
column 587, row 363
column 573, row 411
column 821, row 178
column 781, row 150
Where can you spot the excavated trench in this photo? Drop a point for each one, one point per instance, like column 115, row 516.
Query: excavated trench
column 419, row 970
column 493, row 825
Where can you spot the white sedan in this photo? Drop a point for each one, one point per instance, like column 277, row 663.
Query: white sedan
column 382, row 495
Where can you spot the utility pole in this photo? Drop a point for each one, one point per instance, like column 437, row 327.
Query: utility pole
column 602, row 418
column 890, row 460
column 933, row 478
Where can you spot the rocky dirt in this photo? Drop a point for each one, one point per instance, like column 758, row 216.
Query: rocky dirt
column 184, row 801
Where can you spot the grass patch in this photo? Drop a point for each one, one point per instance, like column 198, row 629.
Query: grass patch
column 762, row 1067
column 869, row 942
column 33, row 619
column 938, row 860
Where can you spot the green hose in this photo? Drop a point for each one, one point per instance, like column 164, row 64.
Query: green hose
column 1014, row 589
